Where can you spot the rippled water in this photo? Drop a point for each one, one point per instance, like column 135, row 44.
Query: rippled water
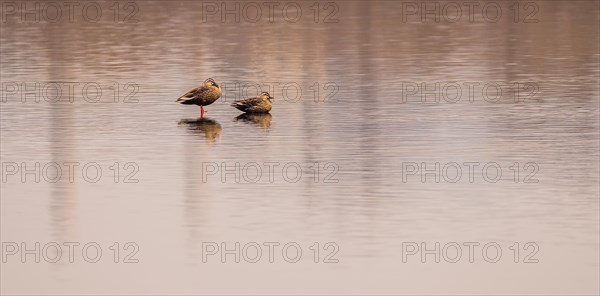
column 364, row 130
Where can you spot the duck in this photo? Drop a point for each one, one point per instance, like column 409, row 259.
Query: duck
column 260, row 104
column 203, row 95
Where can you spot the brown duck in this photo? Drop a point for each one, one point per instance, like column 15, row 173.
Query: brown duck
column 260, row 104
column 202, row 96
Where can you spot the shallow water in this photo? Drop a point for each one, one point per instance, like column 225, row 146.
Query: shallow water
column 367, row 130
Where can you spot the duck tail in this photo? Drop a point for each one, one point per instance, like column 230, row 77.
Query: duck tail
column 182, row 100
column 242, row 106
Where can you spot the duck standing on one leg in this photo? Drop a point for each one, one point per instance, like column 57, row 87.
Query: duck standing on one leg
column 260, row 104
column 202, row 96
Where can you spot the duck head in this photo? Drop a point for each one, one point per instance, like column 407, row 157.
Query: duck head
column 210, row 82
column 266, row 96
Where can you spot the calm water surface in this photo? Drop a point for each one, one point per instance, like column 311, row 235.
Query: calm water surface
column 358, row 129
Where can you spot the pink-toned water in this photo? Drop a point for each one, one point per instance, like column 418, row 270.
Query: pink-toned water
column 358, row 130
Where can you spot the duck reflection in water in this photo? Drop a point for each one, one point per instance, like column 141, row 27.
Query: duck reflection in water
column 261, row 119
column 210, row 128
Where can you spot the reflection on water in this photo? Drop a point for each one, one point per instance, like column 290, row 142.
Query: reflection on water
column 262, row 120
column 353, row 114
column 64, row 200
column 210, row 128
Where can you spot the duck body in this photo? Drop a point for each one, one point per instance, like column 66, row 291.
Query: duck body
column 260, row 104
column 202, row 96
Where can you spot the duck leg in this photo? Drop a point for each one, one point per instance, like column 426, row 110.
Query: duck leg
column 202, row 111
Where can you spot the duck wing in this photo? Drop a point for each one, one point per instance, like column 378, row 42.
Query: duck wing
column 193, row 95
column 244, row 105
